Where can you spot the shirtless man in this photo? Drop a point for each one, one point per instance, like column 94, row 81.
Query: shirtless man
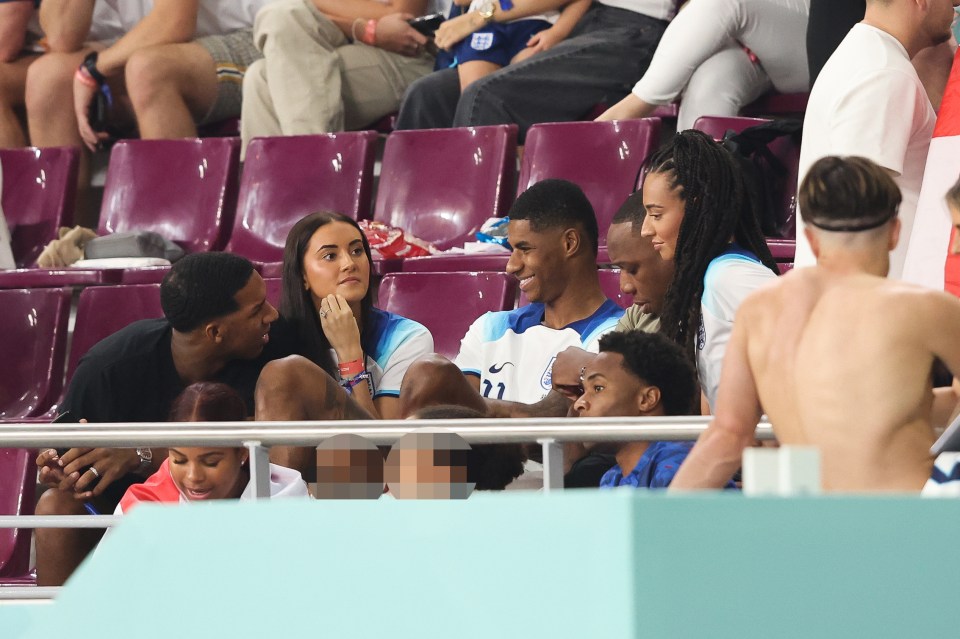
column 838, row 356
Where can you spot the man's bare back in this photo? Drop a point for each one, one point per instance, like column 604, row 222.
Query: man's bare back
column 843, row 362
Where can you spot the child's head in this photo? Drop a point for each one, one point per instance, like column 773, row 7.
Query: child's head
column 208, row 473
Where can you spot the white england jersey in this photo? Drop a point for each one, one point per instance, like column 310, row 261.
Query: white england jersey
column 512, row 352
column 393, row 344
column 730, row 278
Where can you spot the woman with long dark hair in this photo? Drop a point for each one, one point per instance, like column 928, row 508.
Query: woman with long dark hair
column 327, row 300
column 700, row 216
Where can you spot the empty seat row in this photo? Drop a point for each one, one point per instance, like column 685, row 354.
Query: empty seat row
column 439, row 185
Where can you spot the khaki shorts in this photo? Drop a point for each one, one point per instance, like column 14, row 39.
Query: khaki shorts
column 232, row 54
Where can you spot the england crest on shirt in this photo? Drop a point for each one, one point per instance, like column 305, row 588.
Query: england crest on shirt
column 481, row 41
column 546, row 380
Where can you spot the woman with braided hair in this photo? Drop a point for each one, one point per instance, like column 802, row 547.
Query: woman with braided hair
column 700, row 216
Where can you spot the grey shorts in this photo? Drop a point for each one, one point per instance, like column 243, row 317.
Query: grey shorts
column 232, row 54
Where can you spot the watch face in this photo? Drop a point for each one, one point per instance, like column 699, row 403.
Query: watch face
column 145, row 454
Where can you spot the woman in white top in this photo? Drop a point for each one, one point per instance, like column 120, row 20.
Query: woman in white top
column 700, row 216
column 722, row 55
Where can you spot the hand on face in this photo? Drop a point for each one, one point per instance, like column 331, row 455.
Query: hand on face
column 340, row 327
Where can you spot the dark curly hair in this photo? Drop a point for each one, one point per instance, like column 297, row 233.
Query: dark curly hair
column 658, row 362
column 208, row 402
column 552, row 204
column 716, row 208
column 632, row 211
column 201, row 287
column 491, row 466
column 296, row 305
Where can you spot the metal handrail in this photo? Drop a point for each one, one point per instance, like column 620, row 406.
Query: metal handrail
column 386, row 432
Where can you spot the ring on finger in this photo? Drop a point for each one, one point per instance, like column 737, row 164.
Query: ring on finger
column 96, row 473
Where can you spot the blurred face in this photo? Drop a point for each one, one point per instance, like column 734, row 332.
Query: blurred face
column 537, row 261
column 208, row 473
column 955, row 220
column 642, row 273
column 938, row 20
column 335, row 263
column 665, row 211
column 244, row 332
column 609, row 390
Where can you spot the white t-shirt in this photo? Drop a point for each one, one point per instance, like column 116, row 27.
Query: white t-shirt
column 730, row 278
column 215, row 17
column 512, row 352
column 868, row 101
column 104, row 26
column 393, row 344
column 659, row 9
column 6, row 253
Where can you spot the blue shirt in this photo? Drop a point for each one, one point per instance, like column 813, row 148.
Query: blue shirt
column 656, row 467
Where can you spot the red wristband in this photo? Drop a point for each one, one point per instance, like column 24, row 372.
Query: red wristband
column 84, row 78
column 370, row 32
column 351, row 369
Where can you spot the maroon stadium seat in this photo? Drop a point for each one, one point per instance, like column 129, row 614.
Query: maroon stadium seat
column 185, row 190
column 495, row 262
column 602, row 158
column 18, row 480
column 104, row 310
column 785, row 150
column 38, row 198
column 34, row 328
column 426, row 298
column 441, row 184
column 286, row 178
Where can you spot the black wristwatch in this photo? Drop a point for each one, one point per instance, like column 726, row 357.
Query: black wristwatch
column 90, row 64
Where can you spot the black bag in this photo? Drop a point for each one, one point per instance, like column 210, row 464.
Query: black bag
column 768, row 179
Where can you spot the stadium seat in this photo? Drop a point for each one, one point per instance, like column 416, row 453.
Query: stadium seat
column 185, row 190
column 285, row 178
column 440, row 185
column 785, row 150
column 426, row 298
column 603, row 158
column 274, row 289
column 610, row 283
column 39, row 197
column 34, row 328
column 104, row 310
column 494, row 262
column 18, row 480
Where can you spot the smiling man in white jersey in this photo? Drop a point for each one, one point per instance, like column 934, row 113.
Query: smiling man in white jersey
column 838, row 356
column 508, row 355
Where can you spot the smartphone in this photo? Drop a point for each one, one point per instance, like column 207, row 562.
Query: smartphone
column 427, row 24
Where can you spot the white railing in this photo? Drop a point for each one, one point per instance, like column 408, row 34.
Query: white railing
column 258, row 437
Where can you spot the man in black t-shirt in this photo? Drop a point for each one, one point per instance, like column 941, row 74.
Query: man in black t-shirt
column 217, row 327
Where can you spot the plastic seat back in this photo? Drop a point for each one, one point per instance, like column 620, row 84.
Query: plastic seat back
column 33, row 323
column 185, row 190
column 38, row 198
column 441, row 184
column 18, row 480
column 602, row 158
column 447, row 303
column 784, row 149
column 104, row 310
column 285, row 178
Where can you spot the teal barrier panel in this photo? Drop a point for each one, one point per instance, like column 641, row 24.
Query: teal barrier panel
column 16, row 617
column 580, row 564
